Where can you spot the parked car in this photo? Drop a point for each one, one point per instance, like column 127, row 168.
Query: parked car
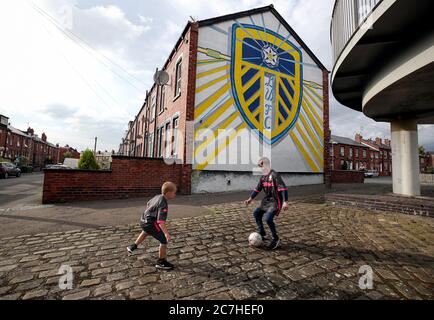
column 9, row 169
column 368, row 174
column 372, row 174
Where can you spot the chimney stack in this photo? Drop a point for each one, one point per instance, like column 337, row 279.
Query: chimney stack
column 378, row 141
column 387, row 142
column 358, row 138
column 44, row 137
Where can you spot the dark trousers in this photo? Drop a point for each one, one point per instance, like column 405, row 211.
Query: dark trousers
column 269, row 218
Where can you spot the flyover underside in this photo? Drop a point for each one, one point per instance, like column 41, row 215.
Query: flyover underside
column 395, row 32
column 410, row 97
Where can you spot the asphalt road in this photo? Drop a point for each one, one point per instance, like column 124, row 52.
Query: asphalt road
column 23, row 191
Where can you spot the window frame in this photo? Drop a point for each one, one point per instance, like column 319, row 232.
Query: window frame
column 162, row 100
column 178, row 78
column 153, row 107
column 175, row 130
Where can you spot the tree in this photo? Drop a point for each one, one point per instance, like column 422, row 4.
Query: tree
column 422, row 151
column 88, row 161
column 67, row 155
column 23, row 162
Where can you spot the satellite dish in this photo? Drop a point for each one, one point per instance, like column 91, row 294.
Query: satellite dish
column 161, row 78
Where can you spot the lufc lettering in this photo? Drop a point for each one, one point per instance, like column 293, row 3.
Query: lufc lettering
column 218, row 310
column 268, row 100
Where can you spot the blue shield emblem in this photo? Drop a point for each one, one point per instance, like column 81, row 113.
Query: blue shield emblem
column 267, row 78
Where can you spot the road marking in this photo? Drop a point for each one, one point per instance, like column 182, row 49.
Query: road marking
column 26, row 208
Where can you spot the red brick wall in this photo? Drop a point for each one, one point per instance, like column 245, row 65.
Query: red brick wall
column 426, row 162
column 341, row 176
column 176, row 105
column 421, row 207
column 327, row 132
column 128, row 178
column 337, row 158
column 3, row 134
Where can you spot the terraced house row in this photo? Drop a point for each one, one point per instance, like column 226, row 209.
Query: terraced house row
column 361, row 154
column 15, row 143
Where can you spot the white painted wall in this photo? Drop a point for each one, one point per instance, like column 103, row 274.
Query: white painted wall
column 212, row 181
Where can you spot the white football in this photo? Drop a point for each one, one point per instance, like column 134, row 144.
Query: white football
column 255, row 239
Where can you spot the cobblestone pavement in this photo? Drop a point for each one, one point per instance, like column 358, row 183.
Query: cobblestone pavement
column 322, row 251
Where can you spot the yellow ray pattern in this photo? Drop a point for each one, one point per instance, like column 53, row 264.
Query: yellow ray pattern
column 211, row 100
column 213, row 82
column 309, row 96
column 318, row 157
column 212, row 71
column 225, row 125
column 302, row 150
column 210, row 120
column 221, row 147
column 317, row 127
column 312, row 109
column 311, row 134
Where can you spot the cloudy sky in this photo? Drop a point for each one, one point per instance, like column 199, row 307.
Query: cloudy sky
column 76, row 90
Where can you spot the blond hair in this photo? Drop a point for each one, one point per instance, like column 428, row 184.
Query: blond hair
column 168, row 187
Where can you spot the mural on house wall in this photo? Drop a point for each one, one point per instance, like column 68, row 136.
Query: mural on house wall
column 252, row 76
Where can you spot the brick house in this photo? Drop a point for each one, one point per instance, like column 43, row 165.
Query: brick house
column 15, row 143
column 380, row 154
column 224, row 77
column 62, row 150
column 361, row 154
column 349, row 154
column 4, row 122
column 426, row 162
column 154, row 131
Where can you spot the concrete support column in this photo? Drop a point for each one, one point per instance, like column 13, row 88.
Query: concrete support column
column 405, row 158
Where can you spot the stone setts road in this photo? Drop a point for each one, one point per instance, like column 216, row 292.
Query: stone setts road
column 323, row 249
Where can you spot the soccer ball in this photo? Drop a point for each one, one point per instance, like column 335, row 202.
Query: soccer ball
column 255, row 239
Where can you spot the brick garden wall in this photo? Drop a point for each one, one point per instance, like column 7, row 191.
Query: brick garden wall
column 385, row 203
column 327, row 132
column 345, row 176
column 427, row 178
column 128, row 178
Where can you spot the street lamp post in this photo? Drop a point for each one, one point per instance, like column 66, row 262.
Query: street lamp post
column 94, row 150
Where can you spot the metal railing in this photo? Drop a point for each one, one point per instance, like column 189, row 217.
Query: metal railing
column 347, row 17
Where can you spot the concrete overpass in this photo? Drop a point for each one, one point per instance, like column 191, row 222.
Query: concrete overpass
column 383, row 53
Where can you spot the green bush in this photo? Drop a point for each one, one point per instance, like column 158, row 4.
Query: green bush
column 88, row 161
column 23, row 162
column 4, row 160
column 67, row 155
